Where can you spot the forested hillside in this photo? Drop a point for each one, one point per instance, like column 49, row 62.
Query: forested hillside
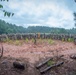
column 10, row 28
column 6, row 28
column 44, row 29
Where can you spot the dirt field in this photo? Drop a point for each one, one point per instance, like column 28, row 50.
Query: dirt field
column 31, row 53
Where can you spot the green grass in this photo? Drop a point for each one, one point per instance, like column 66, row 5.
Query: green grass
column 26, row 40
column 6, row 40
column 70, row 39
column 51, row 62
column 17, row 42
column 50, row 41
column 62, row 39
column 40, row 40
column 33, row 40
column 20, row 42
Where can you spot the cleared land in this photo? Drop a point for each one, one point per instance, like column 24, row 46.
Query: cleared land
column 30, row 53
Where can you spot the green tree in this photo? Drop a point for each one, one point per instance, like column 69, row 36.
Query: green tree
column 6, row 28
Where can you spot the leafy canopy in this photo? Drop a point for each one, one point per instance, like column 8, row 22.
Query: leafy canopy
column 6, row 13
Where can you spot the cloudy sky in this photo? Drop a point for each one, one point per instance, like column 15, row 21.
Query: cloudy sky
column 52, row 13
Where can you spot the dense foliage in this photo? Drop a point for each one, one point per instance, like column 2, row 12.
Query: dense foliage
column 10, row 28
column 6, row 28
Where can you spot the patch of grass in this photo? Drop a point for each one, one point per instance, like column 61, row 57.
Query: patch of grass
column 6, row 40
column 32, row 40
column 70, row 39
column 17, row 42
column 44, row 40
column 26, row 40
column 10, row 42
column 51, row 62
column 50, row 41
column 40, row 40
column 62, row 39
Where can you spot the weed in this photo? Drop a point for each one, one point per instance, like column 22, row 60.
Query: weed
column 50, row 41
column 10, row 41
column 4, row 40
column 32, row 39
column 17, row 42
column 62, row 39
column 70, row 39
column 51, row 62
column 40, row 40
column 26, row 40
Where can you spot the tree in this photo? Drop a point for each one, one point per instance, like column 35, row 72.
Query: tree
column 6, row 13
column 75, row 16
column 75, row 0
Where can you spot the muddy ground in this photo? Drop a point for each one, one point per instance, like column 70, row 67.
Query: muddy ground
column 32, row 54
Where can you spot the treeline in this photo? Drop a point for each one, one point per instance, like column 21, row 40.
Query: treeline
column 6, row 28
column 44, row 29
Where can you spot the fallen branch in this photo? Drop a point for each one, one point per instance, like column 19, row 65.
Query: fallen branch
column 50, row 67
column 43, row 63
column 1, row 54
column 73, row 56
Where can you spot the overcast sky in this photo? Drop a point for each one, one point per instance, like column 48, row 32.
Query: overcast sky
column 52, row 13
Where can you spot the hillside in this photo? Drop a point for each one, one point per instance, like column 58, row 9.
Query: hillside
column 6, row 28
column 10, row 28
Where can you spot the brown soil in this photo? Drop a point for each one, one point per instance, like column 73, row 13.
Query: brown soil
column 31, row 54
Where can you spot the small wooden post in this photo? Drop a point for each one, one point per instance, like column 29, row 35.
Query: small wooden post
column 1, row 52
column 35, row 39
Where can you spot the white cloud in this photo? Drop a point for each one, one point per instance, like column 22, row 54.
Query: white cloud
column 45, row 12
column 64, row 17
